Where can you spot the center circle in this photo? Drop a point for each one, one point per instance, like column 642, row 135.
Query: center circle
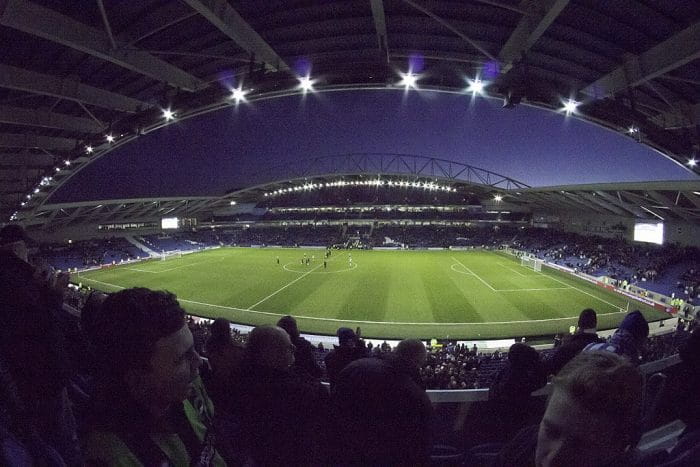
column 315, row 268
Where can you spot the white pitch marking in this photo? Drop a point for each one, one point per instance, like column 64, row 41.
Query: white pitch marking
column 576, row 288
column 177, row 267
column 475, row 275
column 357, row 321
column 354, row 265
column 518, row 273
column 285, row 286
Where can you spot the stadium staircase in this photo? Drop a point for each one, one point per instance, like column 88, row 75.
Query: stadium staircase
column 140, row 245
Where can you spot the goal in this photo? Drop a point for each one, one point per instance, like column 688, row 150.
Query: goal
column 166, row 255
column 532, row 263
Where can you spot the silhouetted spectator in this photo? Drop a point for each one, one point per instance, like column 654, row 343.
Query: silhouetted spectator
column 383, row 415
column 510, row 403
column 350, row 348
column 574, row 344
column 36, row 418
column 225, row 357
column 282, row 415
column 304, row 360
column 150, row 407
column 686, row 452
column 628, row 340
column 523, row 375
column 592, row 417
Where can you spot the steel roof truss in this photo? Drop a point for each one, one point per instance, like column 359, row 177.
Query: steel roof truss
column 8, row 140
column 38, row 83
column 540, row 15
column 227, row 20
column 48, row 24
column 380, row 27
column 670, row 54
column 45, row 119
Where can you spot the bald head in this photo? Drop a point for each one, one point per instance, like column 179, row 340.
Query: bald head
column 411, row 350
column 270, row 346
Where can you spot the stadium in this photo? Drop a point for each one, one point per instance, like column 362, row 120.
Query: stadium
column 395, row 168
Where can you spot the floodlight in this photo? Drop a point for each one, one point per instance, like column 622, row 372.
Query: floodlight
column 408, row 80
column 632, row 130
column 67, row 162
column 238, row 95
column 306, row 84
column 36, row 190
column 570, row 106
column 692, row 162
column 232, row 203
column 88, row 149
column 476, row 86
column 23, row 203
column 58, row 169
column 498, row 197
column 168, row 114
column 110, row 138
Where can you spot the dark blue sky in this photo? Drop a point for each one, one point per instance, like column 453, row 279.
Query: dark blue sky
column 210, row 154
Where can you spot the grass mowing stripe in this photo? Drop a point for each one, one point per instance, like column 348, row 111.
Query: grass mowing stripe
column 577, row 289
column 511, row 269
column 474, row 274
column 353, row 320
column 400, row 294
column 284, row 287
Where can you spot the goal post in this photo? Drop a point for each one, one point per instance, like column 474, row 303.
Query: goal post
column 166, row 255
column 531, row 262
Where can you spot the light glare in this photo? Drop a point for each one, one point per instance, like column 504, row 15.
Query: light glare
column 238, row 95
column 168, row 114
column 408, row 80
column 570, row 106
column 476, row 86
column 306, row 84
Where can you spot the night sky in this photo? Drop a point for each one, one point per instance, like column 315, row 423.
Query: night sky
column 231, row 148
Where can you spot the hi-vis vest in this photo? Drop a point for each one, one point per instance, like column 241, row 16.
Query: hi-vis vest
column 108, row 449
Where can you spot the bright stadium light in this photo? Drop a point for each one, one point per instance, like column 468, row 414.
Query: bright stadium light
column 67, row 162
column 408, row 80
column 570, row 106
column 306, row 84
column 168, row 114
column 232, row 203
column 109, row 138
column 692, row 162
column 476, row 86
column 498, row 197
column 88, row 149
column 238, row 95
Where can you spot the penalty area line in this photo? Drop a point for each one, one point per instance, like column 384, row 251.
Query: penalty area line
column 474, row 274
column 313, row 318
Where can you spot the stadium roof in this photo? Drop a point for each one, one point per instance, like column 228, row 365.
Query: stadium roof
column 648, row 201
column 73, row 73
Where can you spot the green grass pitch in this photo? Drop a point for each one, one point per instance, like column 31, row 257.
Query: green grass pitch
column 389, row 294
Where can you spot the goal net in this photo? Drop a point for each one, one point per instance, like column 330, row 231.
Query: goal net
column 165, row 255
column 532, row 263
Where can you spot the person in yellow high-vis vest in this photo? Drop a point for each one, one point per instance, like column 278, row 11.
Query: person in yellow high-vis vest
column 149, row 408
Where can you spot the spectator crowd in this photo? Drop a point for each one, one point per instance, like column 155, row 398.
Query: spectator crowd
column 132, row 381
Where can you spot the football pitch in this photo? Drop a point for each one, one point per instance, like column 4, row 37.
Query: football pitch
column 389, row 294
